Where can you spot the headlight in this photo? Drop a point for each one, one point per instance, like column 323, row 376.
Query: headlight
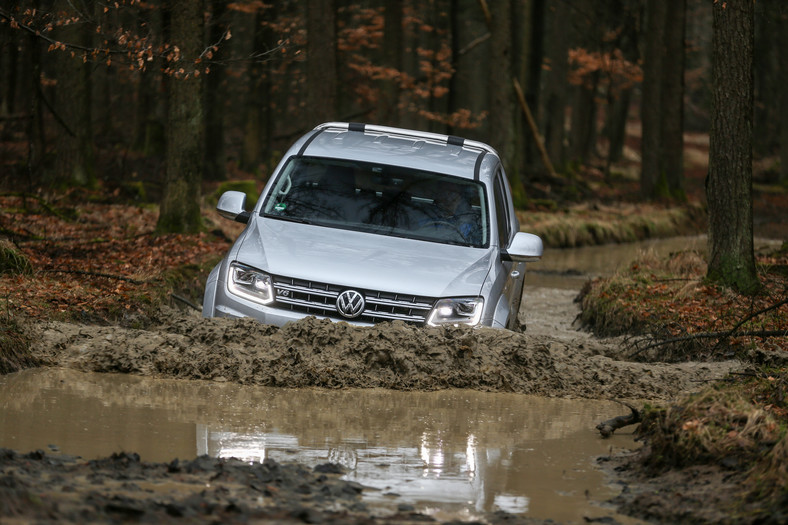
column 467, row 310
column 251, row 284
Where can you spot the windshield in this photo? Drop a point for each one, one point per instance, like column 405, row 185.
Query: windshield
column 382, row 199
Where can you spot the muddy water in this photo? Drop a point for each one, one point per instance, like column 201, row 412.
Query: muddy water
column 452, row 454
column 569, row 268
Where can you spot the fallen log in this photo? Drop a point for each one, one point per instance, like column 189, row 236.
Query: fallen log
column 606, row 428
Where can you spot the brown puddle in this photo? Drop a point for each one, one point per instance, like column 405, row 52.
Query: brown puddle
column 452, row 454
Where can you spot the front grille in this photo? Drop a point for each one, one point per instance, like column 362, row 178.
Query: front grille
column 316, row 298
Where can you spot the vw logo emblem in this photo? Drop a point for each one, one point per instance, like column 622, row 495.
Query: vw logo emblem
column 350, row 304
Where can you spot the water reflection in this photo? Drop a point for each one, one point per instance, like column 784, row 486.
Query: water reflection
column 571, row 267
column 454, row 451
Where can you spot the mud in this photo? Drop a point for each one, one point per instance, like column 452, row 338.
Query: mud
column 551, row 358
column 694, row 494
column 319, row 353
column 42, row 487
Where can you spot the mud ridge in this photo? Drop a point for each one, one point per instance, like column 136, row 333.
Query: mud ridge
column 554, row 361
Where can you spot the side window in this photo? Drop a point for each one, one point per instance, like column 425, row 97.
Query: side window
column 501, row 215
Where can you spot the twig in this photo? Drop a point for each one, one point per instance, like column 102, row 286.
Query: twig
column 186, row 302
column 713, row 335
column 473, row 43
column 759, row 312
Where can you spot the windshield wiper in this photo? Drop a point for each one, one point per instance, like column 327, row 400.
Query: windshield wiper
column 286, row 218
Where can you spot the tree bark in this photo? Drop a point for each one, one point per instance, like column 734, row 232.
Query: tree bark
column 650, row 112
column 180, row 206
column 74, row 164
column 470, row 48
column 662, row 103
column 392, row 58
column 783, row 101
column 321, row 57
column 582, row 132
column 729, row 181
column 554, row 95
column 672, row 129
column 502, row 100
column 215, row 98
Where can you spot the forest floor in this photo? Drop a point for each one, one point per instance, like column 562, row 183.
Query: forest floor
column 87, row 284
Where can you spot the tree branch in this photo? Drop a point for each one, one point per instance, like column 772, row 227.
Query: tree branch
column 606, row 428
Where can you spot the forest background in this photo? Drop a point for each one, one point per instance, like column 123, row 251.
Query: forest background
column 158, row 103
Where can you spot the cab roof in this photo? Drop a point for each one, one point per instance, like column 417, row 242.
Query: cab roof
column 400, row 147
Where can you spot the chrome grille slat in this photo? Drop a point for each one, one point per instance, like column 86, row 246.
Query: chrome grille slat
column 304, row 289
column 402, row 304
column 319, row 299
column 307, row 304
column 396, row 317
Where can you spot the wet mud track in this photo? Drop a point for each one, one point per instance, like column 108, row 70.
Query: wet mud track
column 550, row 359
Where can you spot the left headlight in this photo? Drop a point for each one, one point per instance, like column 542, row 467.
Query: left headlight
column 250, row 283
column 465, row 310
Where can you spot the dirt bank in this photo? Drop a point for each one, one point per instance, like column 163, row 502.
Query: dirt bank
column 552, row 359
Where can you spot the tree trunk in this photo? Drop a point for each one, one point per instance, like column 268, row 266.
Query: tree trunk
column 502, row 100
column 672, row 129
column 470, row 49
column 624, row 20
column 554, row 95
column 783, row 101
column 180, row 206
column 582, row 133
column 215, row 98
column 729, row 182
column 36, row 141
column 651, row 110
column 584, row 110
column 528, row 21
column 392, row 58
column 662, row 103
column 616, row 124
column 321, row 57
column 74, row 163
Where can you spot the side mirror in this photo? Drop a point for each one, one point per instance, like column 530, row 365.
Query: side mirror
column 232, row 205
column 525, row 247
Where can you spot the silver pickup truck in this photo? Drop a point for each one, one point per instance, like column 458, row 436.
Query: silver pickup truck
column 364, row 224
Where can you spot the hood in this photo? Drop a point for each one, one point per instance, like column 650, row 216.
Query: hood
column 364, row 260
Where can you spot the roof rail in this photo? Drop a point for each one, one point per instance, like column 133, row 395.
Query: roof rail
column 408, row 133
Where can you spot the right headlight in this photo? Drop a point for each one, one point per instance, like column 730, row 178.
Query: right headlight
column 464, row 310
column 251, row 284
